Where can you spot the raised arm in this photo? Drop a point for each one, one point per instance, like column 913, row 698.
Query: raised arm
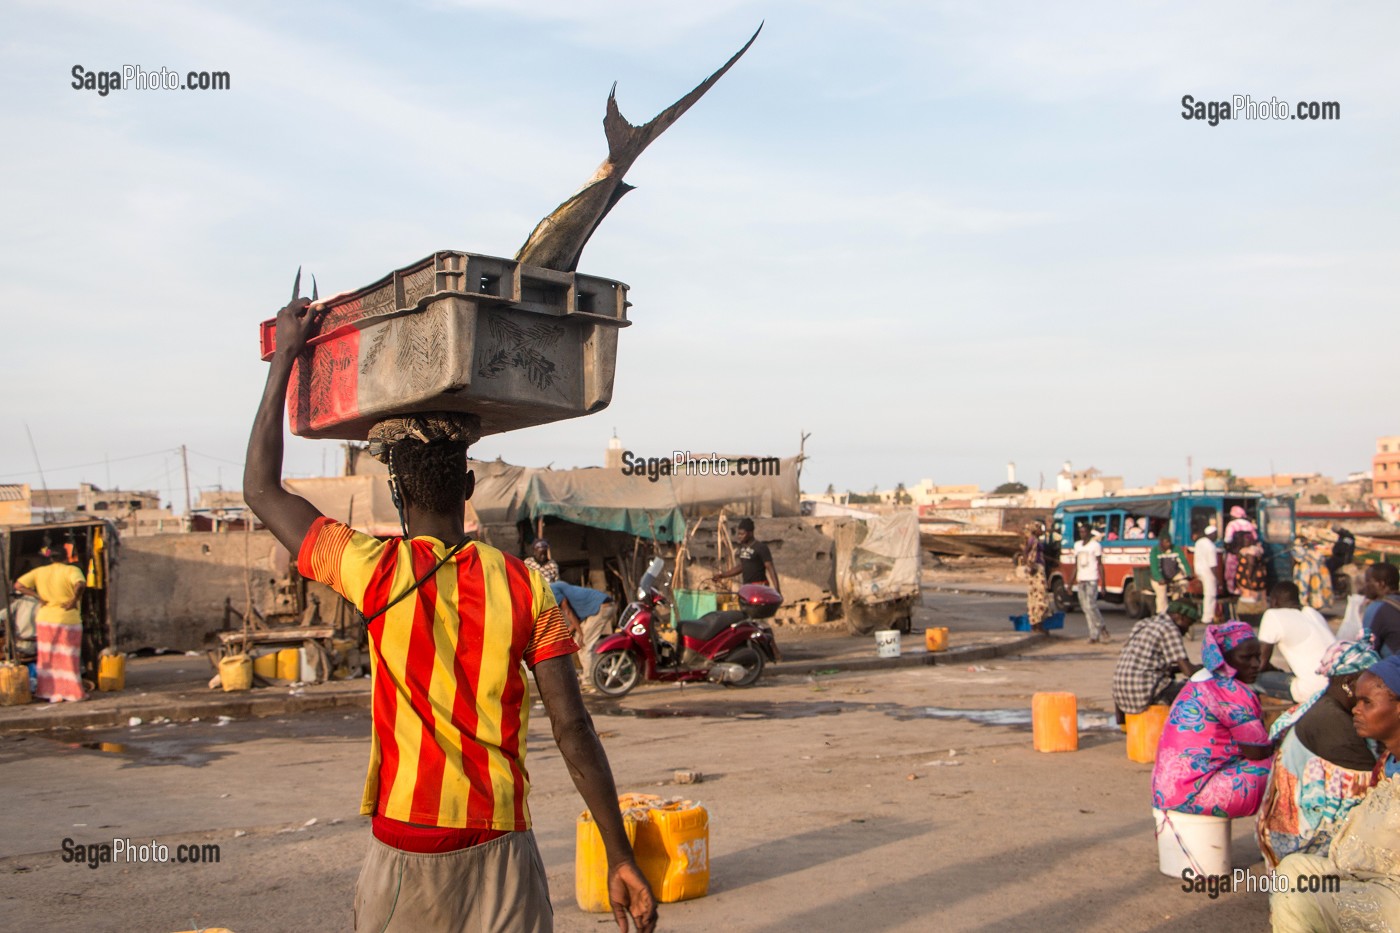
column 286, row 515
column 588, row 765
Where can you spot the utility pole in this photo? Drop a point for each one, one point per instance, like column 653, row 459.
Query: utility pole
column 185, row 462
column 48, row 499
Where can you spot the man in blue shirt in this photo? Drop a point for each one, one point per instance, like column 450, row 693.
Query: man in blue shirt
column 591, row 615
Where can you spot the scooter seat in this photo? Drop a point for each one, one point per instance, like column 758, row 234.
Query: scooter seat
column 711, row 624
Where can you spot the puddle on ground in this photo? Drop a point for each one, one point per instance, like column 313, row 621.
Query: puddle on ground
column 187, row 744
column 154, row 751
column 115, row 748
column 1019, row 719
column 1047, row 656
column 749, row 711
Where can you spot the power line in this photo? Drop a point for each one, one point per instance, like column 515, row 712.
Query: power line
column 80, row 466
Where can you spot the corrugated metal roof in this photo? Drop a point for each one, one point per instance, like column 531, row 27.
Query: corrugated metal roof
column 12, row 492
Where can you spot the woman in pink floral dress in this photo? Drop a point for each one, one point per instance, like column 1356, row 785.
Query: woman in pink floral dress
column 1215, row 752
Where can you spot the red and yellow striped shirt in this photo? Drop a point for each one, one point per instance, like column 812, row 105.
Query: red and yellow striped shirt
column 450, row 699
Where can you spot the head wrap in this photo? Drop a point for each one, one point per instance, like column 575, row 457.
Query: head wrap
column 425, row 428
column 1210, row 529
column 1388, row 670
column 1347, row 657
column 1344, row 657
column 1237, row 511
column 1181, row 607
column 1219, row 641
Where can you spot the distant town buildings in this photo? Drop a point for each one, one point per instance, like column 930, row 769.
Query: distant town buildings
column 132, row 511
column 1085, row 484
column 1385, row 476
column 1313, row 491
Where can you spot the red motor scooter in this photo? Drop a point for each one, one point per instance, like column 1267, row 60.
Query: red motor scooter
column 727, row 647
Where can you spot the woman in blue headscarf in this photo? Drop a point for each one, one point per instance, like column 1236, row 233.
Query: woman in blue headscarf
column 1213, row 758
column 1364, row 857
column 1323, row 768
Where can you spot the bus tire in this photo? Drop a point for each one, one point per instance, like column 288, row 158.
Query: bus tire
column 1065, row 601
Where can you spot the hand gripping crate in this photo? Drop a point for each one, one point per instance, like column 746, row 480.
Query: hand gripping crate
column 512, row 344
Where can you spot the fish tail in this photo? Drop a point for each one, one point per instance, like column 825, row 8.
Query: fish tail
column 626, row 142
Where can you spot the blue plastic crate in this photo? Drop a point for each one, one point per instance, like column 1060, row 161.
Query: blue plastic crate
column 1023, row 623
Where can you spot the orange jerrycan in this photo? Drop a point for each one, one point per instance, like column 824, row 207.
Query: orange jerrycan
column 673, row 847
column 1055, row 722
column 670, row 840
column 1144, row 732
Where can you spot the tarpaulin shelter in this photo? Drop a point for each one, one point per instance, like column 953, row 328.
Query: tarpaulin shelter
column 602, row 498
column 877, row 570
column 608, row 498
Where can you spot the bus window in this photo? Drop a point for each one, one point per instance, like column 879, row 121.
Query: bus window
column 1201, row 516
column 1115, row 527
column 1135, row 528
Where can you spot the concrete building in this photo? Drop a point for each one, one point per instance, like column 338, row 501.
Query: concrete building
column 15, row 502
column 1385, row 477
column 220, row 510
column 927, row 492
column 1085, row 484
column 116, row 505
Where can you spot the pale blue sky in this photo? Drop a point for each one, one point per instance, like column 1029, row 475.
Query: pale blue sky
column 938, row 236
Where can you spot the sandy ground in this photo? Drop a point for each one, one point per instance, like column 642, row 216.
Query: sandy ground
column 837, row 802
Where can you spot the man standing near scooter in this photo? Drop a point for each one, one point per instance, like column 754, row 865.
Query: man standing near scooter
column 755, row 559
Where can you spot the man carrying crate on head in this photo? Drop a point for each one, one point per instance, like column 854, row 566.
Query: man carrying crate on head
column 452, row 625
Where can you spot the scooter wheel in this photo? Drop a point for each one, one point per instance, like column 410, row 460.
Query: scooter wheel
column 616, row 673
column 751, row 660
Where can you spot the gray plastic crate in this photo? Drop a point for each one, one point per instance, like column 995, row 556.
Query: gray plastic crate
column 515, row 345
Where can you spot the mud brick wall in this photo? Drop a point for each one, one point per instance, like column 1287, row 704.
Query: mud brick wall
column 172, row 587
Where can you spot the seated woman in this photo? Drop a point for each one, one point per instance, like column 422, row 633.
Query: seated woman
column 1213, row 758
column 1323, row 768
column 1365, row 853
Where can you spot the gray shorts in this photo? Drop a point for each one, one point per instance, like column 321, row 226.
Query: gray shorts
column 496, row 887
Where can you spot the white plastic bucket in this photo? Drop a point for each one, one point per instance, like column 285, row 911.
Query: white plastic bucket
column 887, row 643
column 1188, row 840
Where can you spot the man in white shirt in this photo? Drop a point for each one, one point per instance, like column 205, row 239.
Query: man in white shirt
column 1205, row 560
column 1302, row 636
column 1088, row 561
